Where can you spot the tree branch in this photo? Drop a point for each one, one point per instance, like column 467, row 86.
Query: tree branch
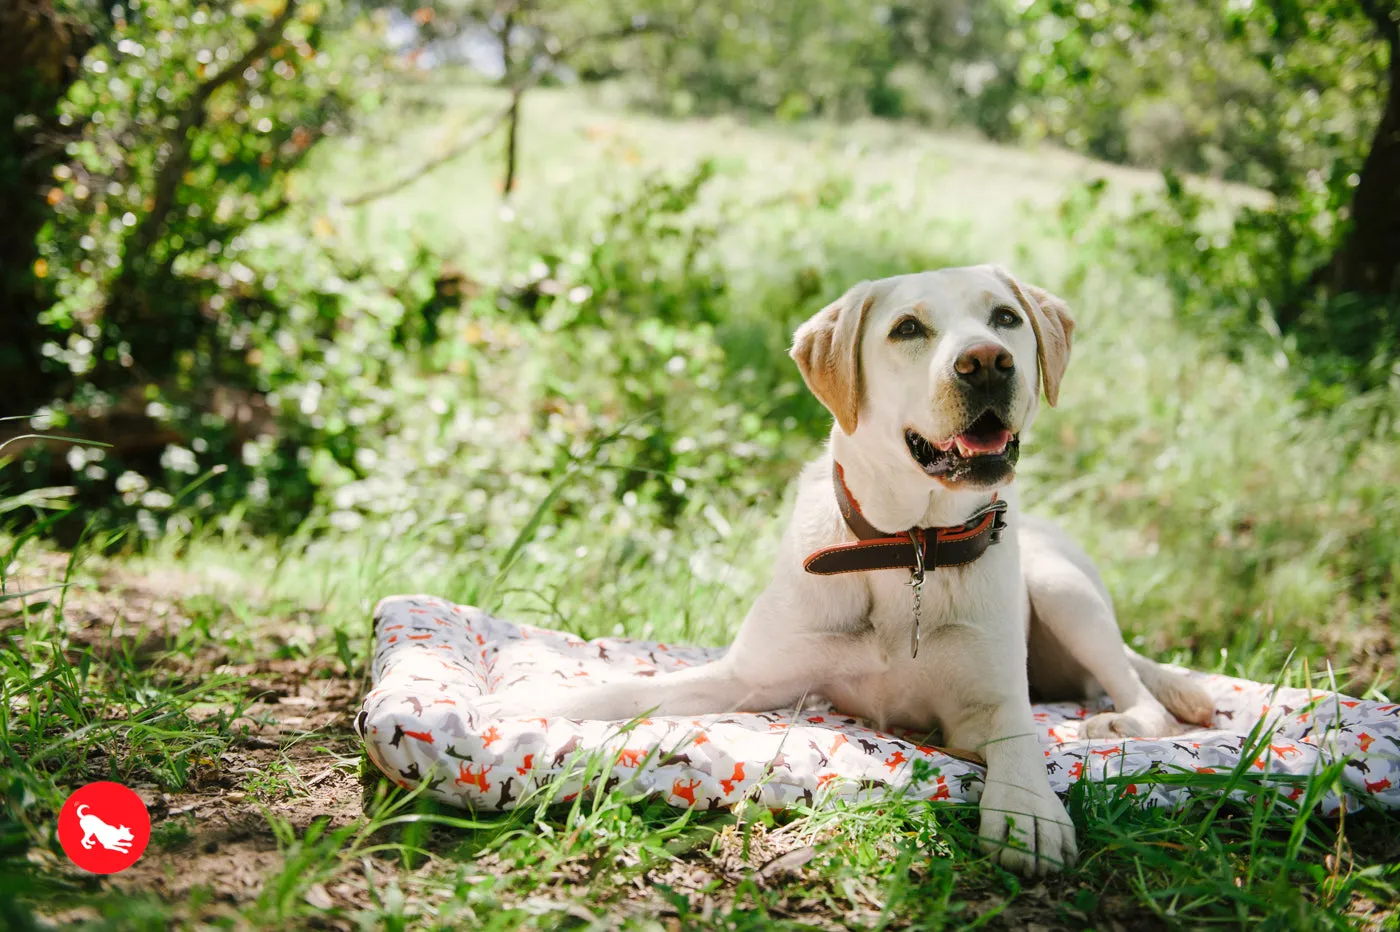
column 517, row 90
column 610, row 35
column 485, row 129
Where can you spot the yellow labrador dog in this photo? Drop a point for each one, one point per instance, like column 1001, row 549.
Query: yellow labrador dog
column 891, row 596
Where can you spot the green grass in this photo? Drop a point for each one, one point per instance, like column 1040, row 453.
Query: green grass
column 543, row 469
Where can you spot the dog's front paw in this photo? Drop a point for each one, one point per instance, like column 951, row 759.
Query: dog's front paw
column 1114, row 725
column 1188, row 701
column 1143, row 720
column 1027, row 830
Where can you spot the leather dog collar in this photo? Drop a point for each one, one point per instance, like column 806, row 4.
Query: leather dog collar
column 879, row 550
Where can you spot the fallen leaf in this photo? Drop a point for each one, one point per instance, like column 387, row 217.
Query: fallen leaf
column 788, row 862
column 318, row 897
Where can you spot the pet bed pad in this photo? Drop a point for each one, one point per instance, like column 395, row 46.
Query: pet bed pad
column 433, row 660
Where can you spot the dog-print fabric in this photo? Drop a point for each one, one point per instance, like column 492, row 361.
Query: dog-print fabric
column 434, row 660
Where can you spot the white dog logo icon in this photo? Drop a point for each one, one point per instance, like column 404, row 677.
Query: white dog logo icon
column 112, row 837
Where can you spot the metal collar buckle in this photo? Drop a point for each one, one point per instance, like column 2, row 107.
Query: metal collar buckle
column 917, row 536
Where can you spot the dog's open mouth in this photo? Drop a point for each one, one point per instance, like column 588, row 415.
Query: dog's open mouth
column 986, row 441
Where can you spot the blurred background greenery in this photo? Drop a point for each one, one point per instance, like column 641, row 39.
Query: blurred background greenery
column 355, row 270
column 308, row 302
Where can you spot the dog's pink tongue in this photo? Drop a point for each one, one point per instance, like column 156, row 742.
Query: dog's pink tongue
column 986, row 443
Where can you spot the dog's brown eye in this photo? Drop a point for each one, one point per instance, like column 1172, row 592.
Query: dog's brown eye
column 1006, row 317
column 906, row 329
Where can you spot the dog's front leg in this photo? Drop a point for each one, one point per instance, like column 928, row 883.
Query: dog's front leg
column 797, row 637
column 1023, row 823
column 713, row 687
column 745, row 680
column 1075, row 609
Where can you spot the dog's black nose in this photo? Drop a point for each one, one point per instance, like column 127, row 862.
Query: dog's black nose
column 985, row 364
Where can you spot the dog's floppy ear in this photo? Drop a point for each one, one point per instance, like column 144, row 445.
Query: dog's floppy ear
column 1053, row 326
column 827, row 351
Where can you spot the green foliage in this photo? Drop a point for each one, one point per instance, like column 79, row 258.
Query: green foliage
column 213, row 339
column 184, row 124
column 1276, row 95
column 1241, row 277
column 187, row 120
column 1259, row 93
column 613, row 347
column 945, row 63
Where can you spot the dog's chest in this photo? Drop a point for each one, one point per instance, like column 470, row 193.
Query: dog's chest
column 960, row 609
column 966, row 595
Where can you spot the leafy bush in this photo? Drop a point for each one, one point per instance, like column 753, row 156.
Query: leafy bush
column 188, row 120
column 944, row 63
column 1282, row 97
column 1246, row 92
column 611, row 348
column 185, row 123
column 1244, row 277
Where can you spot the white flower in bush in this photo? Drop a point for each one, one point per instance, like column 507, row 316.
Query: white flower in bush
column 157, row 499
column 178, row 459
column 131, row 485
column 147, row 524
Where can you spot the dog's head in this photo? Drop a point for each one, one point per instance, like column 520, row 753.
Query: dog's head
column 941, row 371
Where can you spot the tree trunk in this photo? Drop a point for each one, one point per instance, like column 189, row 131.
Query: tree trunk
column 38, row 53
column 1368, row 261
column 513, row 119
column 512, row 125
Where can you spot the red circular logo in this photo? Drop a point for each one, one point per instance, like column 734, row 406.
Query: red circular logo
column 104, row 827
